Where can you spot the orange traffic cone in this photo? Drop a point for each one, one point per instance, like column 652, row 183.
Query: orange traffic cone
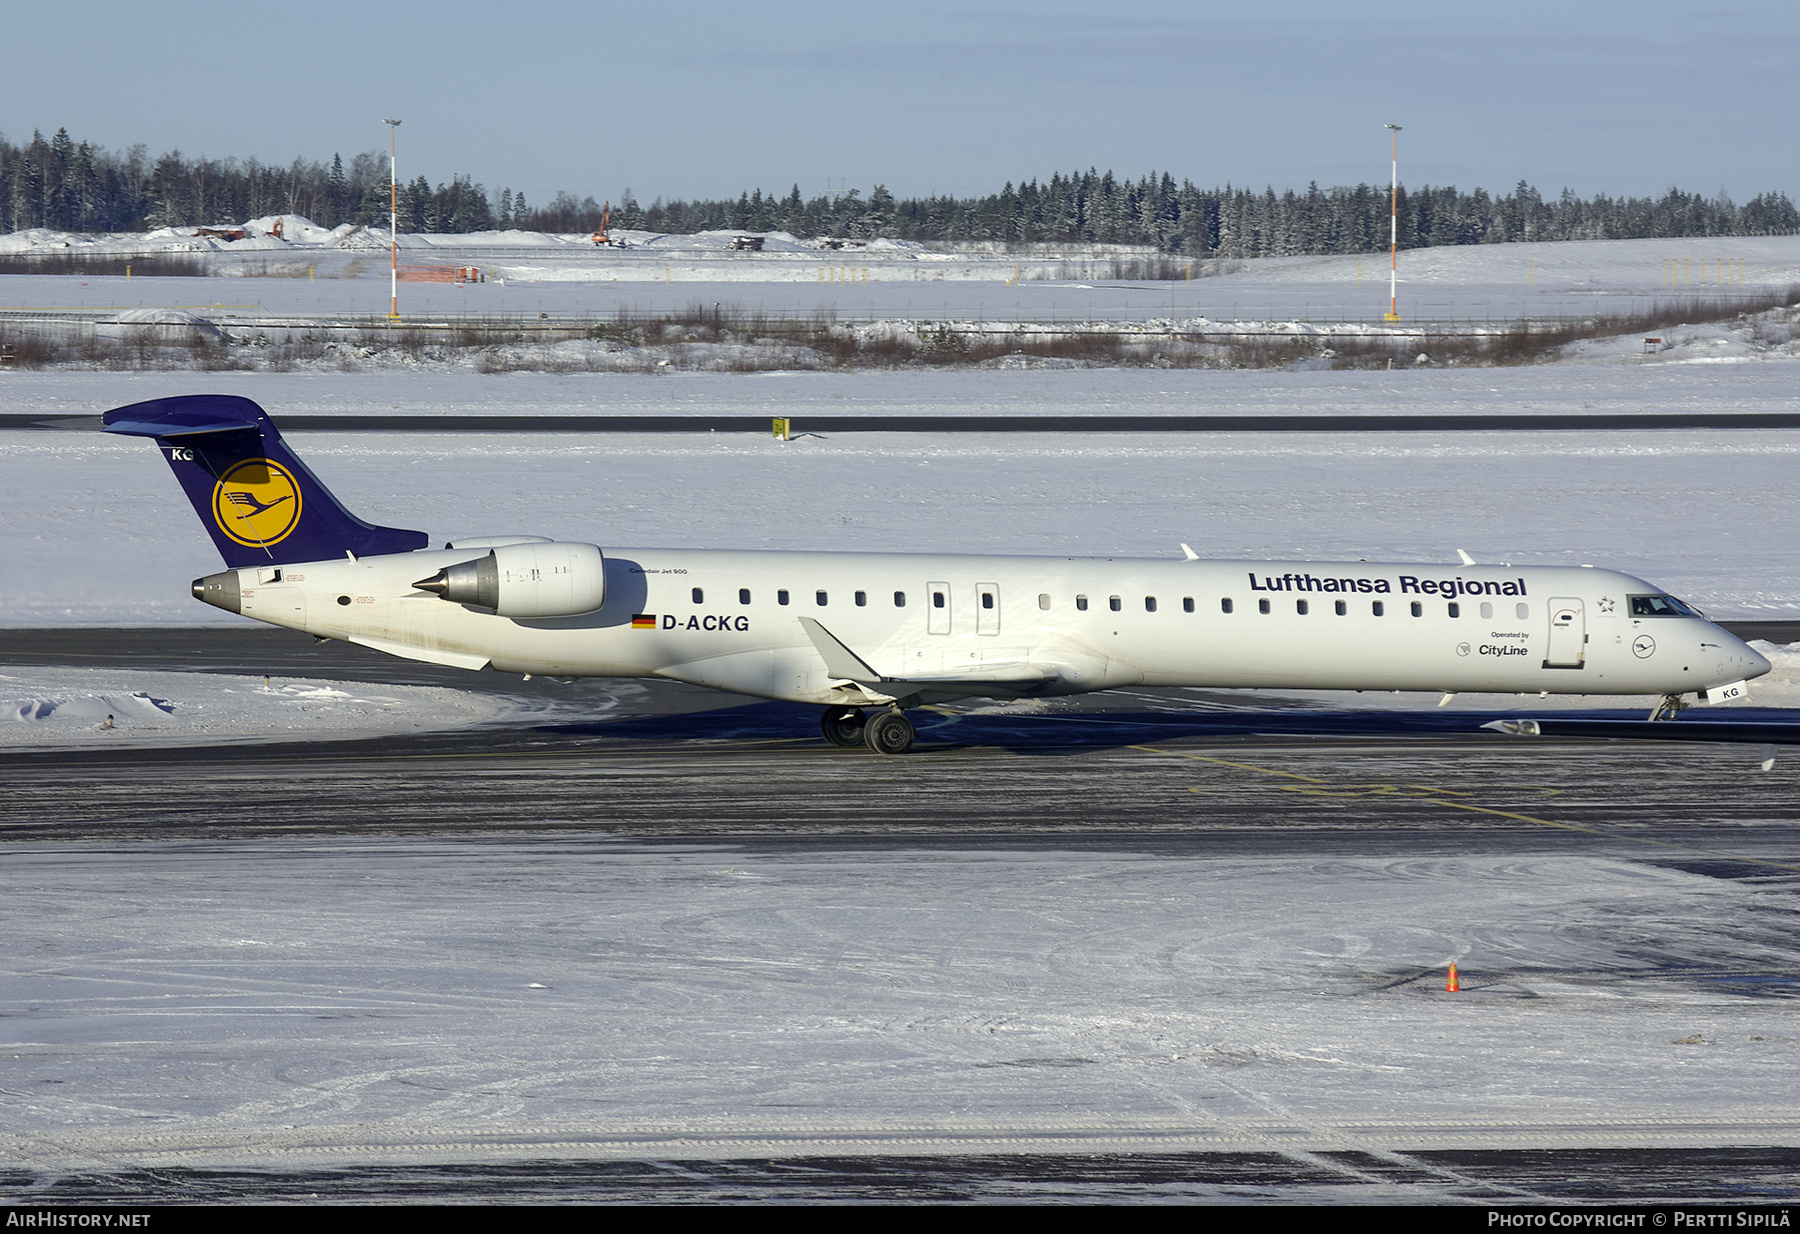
column 1453, row 986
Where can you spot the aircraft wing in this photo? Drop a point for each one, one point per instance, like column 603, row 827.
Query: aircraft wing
column 843, row 663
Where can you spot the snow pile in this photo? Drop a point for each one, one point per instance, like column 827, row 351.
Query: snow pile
column 41, row 240
column 38, row 241
column 1771, row 335
column 90, row 710
column 1780, row 686
column 66, row 707
column 295, row 229
column 170, row 325
column 720, row 241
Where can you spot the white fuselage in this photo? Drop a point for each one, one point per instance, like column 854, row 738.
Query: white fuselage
column 934, row 625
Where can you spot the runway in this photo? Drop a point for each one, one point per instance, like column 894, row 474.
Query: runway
column 1146, row 945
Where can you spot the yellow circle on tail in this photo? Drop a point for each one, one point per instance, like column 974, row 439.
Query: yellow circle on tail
column 257, row 502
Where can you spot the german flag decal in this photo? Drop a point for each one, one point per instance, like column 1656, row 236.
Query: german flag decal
column 643, row 621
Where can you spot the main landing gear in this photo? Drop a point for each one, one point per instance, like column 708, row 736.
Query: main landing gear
column 885, row 732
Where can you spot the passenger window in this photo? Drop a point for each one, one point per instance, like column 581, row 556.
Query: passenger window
column 937, row 599
column 1379, row 609
column 1342, row 608
column 1455, row 609
column 1149, row 604
column 781, row 597
column 820, row 599
column 1114, row 603
column 699, row 596
column 1187, row 604
column 1081, row 604
column 1225, row 604
column 1523, row 611
column 743, row 595
column 1418, row 609
column 862, row 599
column 1262, row 606
column 899, row 599
column 1487, row 610
column 1300, row 607
column 987, row 599
column 1043, row 599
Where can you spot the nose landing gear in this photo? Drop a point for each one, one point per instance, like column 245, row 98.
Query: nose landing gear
column 886, row 732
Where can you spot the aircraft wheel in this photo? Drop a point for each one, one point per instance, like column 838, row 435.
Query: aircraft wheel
column 890, row 732
column 842, row 726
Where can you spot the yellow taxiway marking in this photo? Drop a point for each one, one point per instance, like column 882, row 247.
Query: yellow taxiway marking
column 1440, row 797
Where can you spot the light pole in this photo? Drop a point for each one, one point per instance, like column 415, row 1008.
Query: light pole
column 1393, row 313
column 393, row 220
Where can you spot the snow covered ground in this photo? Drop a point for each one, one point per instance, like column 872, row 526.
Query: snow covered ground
column 569, row 276
column 72, row 707
column 294, row 1004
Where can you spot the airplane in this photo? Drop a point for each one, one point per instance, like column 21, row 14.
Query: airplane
column 868, row 635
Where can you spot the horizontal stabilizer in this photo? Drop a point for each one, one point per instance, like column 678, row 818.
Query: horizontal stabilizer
column 156, row 428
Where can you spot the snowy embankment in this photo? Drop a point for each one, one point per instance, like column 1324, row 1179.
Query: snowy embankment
column 68, row 707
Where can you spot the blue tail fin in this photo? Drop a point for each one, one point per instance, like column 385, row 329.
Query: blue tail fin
column 261, row 504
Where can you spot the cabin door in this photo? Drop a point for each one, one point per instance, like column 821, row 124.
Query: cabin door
column 1568, row 634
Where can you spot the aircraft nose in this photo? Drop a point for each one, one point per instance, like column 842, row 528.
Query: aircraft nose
column 1759, row 663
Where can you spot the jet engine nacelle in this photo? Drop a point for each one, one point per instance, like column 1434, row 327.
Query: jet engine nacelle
column 526, row 580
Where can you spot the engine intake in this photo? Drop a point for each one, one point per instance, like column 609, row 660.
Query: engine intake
column 526, row 580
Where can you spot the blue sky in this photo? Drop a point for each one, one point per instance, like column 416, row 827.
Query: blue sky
column 705, row 99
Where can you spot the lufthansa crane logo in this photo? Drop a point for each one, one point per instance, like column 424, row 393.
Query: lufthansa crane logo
column 256, row 503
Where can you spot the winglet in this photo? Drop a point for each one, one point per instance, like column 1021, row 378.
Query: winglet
column 1189, row 553
column 840, row 661
column 1466, row 559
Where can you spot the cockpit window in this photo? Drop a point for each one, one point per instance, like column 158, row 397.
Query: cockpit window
column 1660, row 606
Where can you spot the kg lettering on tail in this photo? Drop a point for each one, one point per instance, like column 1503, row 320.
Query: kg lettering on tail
column 867, row 636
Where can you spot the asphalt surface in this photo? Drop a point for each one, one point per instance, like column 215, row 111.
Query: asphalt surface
column 686, row 763
column 1738, row 1177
